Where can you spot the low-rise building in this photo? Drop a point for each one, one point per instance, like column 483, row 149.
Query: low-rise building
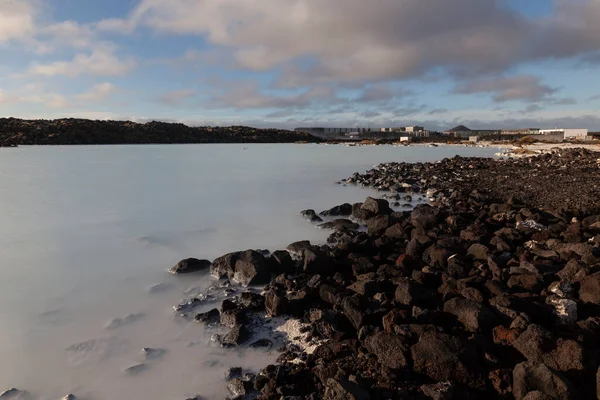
column 568, row 133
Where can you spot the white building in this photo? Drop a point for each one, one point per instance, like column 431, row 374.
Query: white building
column 567, row 133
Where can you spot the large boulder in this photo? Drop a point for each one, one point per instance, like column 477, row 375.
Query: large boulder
column 378, row 225
column 443, row 358
column 224, row 266
column 190, row 265
column 376, row 206
column 534, row 342
column 251, row 269
column 473, row 315
column 354, row 310
column 533, row 376
column 390, row 349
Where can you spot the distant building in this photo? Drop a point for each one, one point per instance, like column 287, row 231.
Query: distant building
column 567, row 133
column 410, row 129
column 322, row 131
column 527, row 131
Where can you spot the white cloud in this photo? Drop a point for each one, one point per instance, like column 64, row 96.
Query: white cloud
column 98, row 92
column 101, row 62
column 16, row 20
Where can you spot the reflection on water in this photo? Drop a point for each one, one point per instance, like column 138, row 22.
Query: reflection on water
column 88, row 233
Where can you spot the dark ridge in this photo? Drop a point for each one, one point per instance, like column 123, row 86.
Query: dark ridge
column 14, row 132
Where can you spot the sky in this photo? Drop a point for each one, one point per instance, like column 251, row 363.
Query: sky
column 291, row 63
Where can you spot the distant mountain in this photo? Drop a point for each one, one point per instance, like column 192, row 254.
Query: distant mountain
column 15, row 131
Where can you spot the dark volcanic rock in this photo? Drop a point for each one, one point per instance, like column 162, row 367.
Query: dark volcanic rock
column 251, row 269
column 390, row 349
column 424, row 216
column 311, row 215
column 534, row 376
column 236, row 336
column 343, row 210
column 473, row 315
column 409, row 292
column 590, row 289
column 376, row 206
column 445, row 358
column 339, row 224
column 190, row 265
column 338, row 389
column 208, row 317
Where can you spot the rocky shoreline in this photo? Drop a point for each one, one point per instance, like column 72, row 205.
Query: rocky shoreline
column 489, row 289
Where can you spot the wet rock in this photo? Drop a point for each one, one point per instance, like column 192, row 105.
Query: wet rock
column 236, row 336
column 238, row 387
column 298, row 248
column 232, row 318
column 233, row 372
column 252, row 301
column 376, row 206
column 69, row 397
column 224, row 266
column 390, row 349
column 250, row 269
column 14, row 394
column 339, row 224
column 589, row 291
column 535, row 376
column 311, row 215
column 208, row 317
column 343, row 210
column 378, row 225
column 190, row 265
column 445, row 358
column 119, row 322
column 473, row 315
column 438, row 391
column 341, row 389
column 282, row 262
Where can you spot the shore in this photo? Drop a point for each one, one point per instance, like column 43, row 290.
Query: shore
column 489, row 290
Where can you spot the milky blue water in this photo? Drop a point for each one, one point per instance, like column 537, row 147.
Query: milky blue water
column 86, row 231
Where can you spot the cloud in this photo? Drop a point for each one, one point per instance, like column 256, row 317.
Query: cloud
column 177, row 97
column 358, row 41
column 98, row 92
column 381, row 93
column 563, row 101
column 522, row 87
column 595, row 97
column 16, row 20
column 101, row 61
column 248, row 95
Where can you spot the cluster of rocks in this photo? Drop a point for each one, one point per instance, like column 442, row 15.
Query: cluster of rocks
column 15, row 132
column 467, row 297
column 16, row 394
column 530, row 178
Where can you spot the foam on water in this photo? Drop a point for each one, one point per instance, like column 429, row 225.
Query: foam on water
column 88, row 234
